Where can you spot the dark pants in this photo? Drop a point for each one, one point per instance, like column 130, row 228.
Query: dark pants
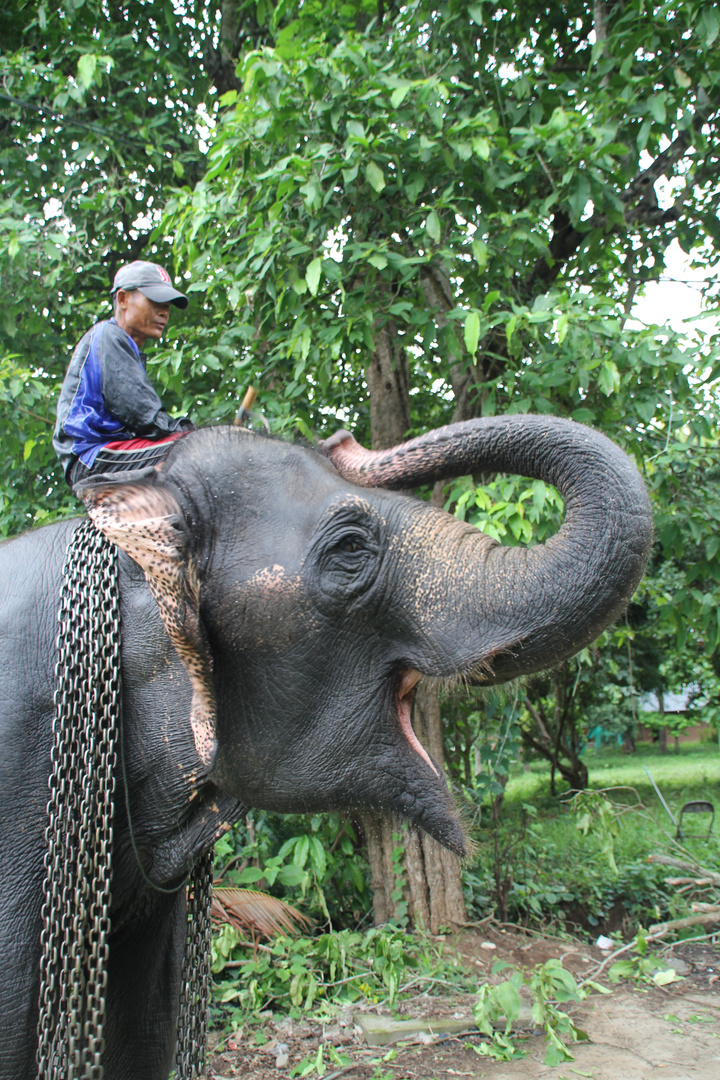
column 131, row 458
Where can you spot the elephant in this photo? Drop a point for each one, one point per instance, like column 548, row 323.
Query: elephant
column 279, row 603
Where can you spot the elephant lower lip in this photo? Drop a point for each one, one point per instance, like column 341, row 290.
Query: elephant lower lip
column 404, row 697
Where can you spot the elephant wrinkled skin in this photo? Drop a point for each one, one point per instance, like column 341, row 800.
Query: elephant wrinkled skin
column 278, row 606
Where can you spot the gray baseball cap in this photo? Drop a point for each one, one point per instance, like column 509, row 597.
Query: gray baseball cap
column 151, row 280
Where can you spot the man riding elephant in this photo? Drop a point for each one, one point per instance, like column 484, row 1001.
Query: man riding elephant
column 109, row 416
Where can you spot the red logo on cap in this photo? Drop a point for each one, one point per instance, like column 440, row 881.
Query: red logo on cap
column 164, row 274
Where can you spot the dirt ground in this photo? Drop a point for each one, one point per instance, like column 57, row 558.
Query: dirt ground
column 636, row 1033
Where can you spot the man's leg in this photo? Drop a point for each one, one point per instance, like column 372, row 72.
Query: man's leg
column 134, row 457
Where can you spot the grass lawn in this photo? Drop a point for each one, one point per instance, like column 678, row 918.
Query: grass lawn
column 690, row 772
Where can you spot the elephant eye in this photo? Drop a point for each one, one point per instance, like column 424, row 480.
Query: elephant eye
column 344, row 559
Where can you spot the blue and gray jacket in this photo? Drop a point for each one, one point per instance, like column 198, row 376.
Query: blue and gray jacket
column 107, row 396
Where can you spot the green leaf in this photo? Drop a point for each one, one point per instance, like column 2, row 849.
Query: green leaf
column 471, row 333
column 414, row 187
column 579, row 196
column 398, row 95
column 608, row 377
column 312, row 275
column 556, row 1054
column 681, row 78
column 643, row 134
column 250, row 875
column 508, row 1000
column 291, row 876
column 475, row 12
column 318, row 858
column 480, row 252
column 86, row 67
column 378, row 260
column 481, row 147
column 657, row 108
column 302, row 850
column 375, row 176
column 432, row 226
column 663, row 978
column 708, row 24
column 621, row 969
column 559, row 119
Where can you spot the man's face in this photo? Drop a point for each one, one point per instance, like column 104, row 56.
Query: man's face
column 139, row 317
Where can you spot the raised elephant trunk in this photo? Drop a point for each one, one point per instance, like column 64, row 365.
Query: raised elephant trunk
column 524, row 609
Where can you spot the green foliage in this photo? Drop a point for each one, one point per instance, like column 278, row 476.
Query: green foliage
column 312, row 863
column 510, row 509
column 584, row 863
column 500, row 735
column 344, row 174
column 642, row 966
column 399, row 891
column 494, row 1004
column 334, row 969
column 317, row 1063
column 548, row 985
column 595, row 811
column 99, row 118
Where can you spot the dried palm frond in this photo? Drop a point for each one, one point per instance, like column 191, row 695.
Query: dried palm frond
column 255, row 913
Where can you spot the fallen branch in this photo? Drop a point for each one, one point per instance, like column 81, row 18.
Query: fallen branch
column 688, row 881
column 687, row 940
column 619, row 952
column 679, row 864
column 704, row 919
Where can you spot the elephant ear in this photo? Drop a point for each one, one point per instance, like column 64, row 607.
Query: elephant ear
column 144, row 519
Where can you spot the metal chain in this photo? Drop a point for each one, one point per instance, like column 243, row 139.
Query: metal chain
column 196, row 977
column 76, row 908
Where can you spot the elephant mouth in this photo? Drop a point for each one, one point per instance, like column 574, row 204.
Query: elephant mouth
column 404, row 698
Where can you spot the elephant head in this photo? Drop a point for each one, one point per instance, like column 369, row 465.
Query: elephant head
column 306, row 599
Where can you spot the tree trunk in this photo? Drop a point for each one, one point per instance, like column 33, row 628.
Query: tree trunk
column 388, row 386
column 414, row 880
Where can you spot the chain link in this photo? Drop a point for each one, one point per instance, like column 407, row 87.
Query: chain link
column 76, row 907
column 196, row 978
column 75, row 913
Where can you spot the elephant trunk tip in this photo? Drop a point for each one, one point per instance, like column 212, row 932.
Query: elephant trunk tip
column 328, row 445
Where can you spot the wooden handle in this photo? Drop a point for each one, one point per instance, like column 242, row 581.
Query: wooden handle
column 249, row 400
